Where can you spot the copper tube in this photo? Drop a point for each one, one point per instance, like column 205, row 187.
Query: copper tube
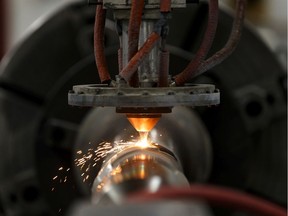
column 232, row 42
column 137, row 59
column 165, row 6
column 163, row 68
column 99, row 44
column 205, row 46
column 137, row 7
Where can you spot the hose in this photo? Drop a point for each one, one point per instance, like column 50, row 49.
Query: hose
column 231, row 44
column 205, row 46
column 99, row 45
column 137, row 7
column 218, row 196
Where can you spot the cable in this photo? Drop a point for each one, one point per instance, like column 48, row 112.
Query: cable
column 231, row 44
column 205, row 46
column 99, row 45
column 137, row 7
column 219, row 196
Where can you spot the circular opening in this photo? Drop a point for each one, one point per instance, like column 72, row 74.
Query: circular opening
column 30, row 194
column 254, row 108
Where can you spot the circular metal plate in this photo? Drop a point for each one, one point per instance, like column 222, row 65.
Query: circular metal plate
column 101, row 95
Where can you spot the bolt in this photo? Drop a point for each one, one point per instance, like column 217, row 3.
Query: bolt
column 145, row 93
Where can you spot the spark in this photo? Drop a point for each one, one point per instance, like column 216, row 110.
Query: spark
column 143, row 142
column 60, row 178
column 87, row 159
column 90, row 158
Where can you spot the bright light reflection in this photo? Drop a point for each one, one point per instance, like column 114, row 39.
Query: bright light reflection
column 154, row 183
column 143, row 141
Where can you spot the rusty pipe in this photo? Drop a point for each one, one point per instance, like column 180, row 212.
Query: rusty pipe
column 205, row 46
column 99, row 45
column 232, row 42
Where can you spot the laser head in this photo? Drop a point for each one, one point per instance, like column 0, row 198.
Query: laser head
column 143, row 122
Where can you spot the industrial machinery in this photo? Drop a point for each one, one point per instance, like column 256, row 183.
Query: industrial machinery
column 144, row 138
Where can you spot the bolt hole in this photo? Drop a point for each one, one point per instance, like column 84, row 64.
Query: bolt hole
column 253, row 109
column 30, row 194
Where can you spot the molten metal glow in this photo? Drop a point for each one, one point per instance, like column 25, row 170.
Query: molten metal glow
column 143, row 140
column 86, row 160
column 143, row 123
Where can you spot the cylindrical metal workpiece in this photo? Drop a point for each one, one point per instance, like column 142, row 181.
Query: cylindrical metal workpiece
column 180, row 132
column 136, row 169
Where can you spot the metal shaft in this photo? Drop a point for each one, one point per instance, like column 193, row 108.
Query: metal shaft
column 136, row 169
column 148, row 71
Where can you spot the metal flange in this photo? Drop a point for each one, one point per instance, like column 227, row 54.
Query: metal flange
column 101, row 95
